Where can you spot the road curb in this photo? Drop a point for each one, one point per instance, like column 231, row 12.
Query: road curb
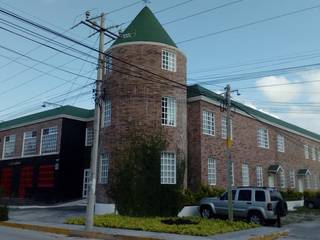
column 272, row 236
column 70, row 232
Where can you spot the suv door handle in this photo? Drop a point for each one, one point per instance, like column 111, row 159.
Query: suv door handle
column 249, row 202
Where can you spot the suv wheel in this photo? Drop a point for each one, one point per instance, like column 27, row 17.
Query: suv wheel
column 256, row 218
column 206, row 212
column 310, row 205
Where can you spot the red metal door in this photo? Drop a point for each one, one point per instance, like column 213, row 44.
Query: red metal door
column 46, row 176
column 6, row 181
column 26, row 175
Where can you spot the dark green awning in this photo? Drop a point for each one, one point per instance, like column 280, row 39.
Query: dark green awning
column 275, row 168
column 303, row 172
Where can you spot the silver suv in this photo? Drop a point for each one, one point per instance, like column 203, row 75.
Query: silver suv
column 257, row 204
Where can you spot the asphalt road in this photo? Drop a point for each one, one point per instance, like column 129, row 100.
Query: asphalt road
column 303, row 231
column 7, row 233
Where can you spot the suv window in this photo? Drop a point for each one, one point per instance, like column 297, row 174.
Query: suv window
column 275, row 196
column 260, row 196
column 225, row 195
column 244, row 195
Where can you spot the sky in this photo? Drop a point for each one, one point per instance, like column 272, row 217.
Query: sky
column 267, row 50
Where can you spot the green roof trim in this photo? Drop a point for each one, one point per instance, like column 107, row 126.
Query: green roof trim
column 66, row 110
column 303, row 172
column 275, row 168
column 197, row 90
column 145, row 28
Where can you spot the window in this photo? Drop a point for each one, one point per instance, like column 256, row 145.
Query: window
column 292, row 179
column 280, row 143
column 308, row 181
column 259, row 175
column 212, row 172
column 282, row 179
column 313, row 153
column 263, row 138
column 318, row 153
column 306, row 152
column 208, row 123
column 225, row 195
column 104, row 168
column 245, row 175
column 169, row 60
column 260, row 196
column 49, row 140
column 224, row 127
column 108, row 63
column 107, row 113
column 244, row 195
column 89, row 136
column 168, row 117
column 9, row 146
column 168, row 168
column 315, row 181
column 29, row 143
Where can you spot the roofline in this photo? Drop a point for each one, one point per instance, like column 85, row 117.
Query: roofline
column 147, row 43
column 217, row 103
column 48, row 119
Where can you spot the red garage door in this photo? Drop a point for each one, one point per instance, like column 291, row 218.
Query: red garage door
column 46, row 176
column 26, row 175
column 6, row 181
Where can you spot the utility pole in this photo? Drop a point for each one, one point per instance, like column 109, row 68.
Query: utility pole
column 96, row 129
column 229, row 160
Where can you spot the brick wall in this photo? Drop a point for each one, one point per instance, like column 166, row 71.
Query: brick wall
column 244, row 148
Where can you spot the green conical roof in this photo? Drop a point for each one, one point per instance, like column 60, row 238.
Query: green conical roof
column 145, row 28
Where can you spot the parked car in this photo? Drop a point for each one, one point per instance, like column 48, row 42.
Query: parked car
column 256, row 204
column 312, row 202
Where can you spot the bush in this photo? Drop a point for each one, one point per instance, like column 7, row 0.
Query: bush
column 291, row 195
column 191, row 198
column 4, row 213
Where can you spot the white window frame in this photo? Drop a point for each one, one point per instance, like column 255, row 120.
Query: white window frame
column 169, row 60
column 308, row 181
column 318, row 153
column 104, row 168
column 41, row 140
column 168, row 168
column 168, row 111
column 224, row 127
column 280, row 143
column 89, row 137
column 292, row 179
column 208, row 123
column 245, row 175
column 306, row 151
column 109, row 65
column 313, row 154
column 259, row 176
column 263, row 138
column 282, row 179
column 12, row 136
column 24, row 142
column 212, row 171
column 107, row 113
column 86, row 182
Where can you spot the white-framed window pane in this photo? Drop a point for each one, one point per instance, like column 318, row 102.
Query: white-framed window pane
column 169, row 111
column 168, row 168
column 224, row 128
column 104, row 168
column 245, row 175
column 259, row 176
column 280, row 143
column 49, row 140
column 308, row 181
column 263, row 138
column 86, row 182
column 29, row 143
column 306, row 151
column 89, row 136
column 292, row 179
column 313, row 153
column 282, row 179
column 108, row 63
column 9, row 146
column 107, row 113
column 318, row 153
column 208, row 123
column 212, row 172
column 169, row 61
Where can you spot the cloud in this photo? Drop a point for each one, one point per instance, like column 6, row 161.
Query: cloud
column 313, row 87
column 282, row 93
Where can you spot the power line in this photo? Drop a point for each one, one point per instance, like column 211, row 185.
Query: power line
column 173, row 6
column 249, row 24
column 124, row 7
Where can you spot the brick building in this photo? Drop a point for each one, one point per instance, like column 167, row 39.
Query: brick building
column 147, row 91
column 43, row 155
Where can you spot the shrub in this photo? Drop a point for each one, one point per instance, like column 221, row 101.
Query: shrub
column 291, row 195
column 4, row 213
column 191, row 198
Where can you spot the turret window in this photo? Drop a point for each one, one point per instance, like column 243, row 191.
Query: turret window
column 169, row 60
column 168, row 106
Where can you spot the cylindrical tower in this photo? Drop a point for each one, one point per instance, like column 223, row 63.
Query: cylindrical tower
column 145, row 89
